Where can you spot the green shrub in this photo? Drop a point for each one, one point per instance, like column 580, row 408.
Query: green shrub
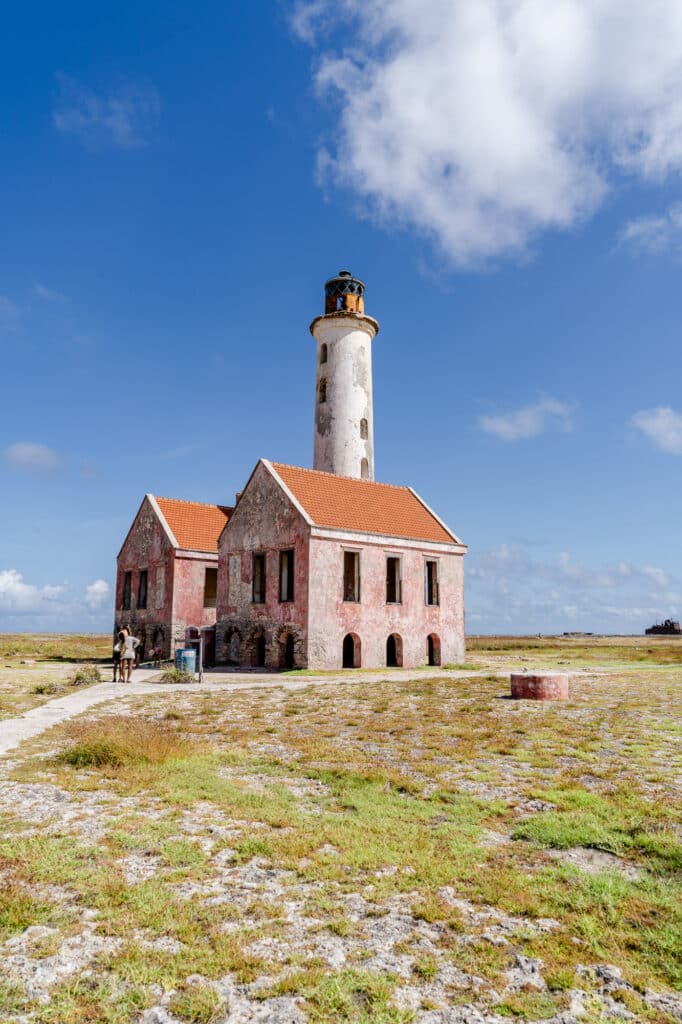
column 176, row 675
column 86, row 675
column 45, row 688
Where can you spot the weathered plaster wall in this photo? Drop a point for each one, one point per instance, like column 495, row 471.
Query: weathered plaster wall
column 339, row 447
column 263, row 521
column 147, row 547
column 188, row 592
column 331, row 618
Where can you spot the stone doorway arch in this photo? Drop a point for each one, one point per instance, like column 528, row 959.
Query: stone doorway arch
column 352, row 651
column 259, row 649
column 433, row 649
column 233, row 639
column 287, row 655
column 394, row 651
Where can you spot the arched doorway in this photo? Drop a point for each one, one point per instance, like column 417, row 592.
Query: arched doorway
column 159, row 644
column 394, row 651
column 234, row 647
column 433, row 649
column 351, row 651
column 286, row 656
column 259, row 650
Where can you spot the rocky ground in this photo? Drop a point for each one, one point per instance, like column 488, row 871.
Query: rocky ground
column 422, row 850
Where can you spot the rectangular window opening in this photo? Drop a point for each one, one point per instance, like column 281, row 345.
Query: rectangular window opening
column 127, row 589
column 394, row 584
column 258, row 579
column 142, row 590
column 286, row 575
column 351, row 575
column 431, row 583
column 210, row 588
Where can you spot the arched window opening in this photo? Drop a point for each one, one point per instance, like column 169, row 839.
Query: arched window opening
column 323, row 390
column 352, row 651
column 323, row 353
column 364, row 469
column 363, row 429
column 394, row 651
column 433, row 649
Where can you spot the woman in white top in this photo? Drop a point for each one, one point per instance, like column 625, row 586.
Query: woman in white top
column 128, row 645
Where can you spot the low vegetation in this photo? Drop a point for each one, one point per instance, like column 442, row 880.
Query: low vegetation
column 176, row 675
column 352, row 853
column 120, row 740
column 36, row 668
column 55, row 647
column 580, row 649
column 85, row 675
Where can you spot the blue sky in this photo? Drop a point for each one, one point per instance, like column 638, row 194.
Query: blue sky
column 176, row 183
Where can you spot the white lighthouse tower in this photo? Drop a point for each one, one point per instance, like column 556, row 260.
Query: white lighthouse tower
column 344, row 418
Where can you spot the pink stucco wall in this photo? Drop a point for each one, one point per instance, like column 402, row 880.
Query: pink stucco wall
column 264, row 521
column 372, row 619
column 188, row 591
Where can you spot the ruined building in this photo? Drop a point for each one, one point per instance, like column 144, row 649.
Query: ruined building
column 317, row 568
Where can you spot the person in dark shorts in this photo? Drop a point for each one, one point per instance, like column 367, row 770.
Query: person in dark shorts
column 117, row 661
column 139, row 651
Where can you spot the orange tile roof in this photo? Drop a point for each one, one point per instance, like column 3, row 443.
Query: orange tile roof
column 196, row 526
column 347, row 503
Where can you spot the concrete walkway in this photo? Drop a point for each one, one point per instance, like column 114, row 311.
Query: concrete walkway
column 14, row 731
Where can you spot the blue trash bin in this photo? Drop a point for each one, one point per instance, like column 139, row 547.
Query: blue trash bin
column 186, row 660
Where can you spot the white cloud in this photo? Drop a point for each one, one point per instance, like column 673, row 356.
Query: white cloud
column 529, row 421
column 20, row 598
column 511, row 591
column 97, row 594
column 663, row 426
column 7, row 307
column 49, row 294
column 124, row 118
column 484, row 122
column 655, row 234
column 32, row 457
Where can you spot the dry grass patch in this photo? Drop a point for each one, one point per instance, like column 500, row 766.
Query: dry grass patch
column 120, row 740
column 55, row 646
column 577, row 651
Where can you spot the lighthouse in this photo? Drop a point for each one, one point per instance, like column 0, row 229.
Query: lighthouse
column 344, row 418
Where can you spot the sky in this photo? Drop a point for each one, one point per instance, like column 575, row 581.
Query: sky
column 178, row 180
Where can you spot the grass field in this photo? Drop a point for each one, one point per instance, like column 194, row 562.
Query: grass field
column 35, row 668
column 416, row 851
column 577, row 651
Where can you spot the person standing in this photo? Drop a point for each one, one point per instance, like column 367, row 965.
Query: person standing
column 127, row 655
column 118, row 671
